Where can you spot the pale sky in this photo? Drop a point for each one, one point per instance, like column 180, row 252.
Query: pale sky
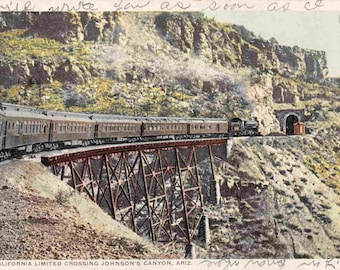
column 311, row 30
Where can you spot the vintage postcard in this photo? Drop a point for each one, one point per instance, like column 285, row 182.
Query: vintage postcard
column 176, row 134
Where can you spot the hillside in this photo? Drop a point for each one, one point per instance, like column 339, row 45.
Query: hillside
column 42, row 218
column 157, row 64
column 280, row 195
column 281, row 199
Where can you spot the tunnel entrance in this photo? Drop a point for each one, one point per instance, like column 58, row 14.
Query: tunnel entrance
column 291, row 120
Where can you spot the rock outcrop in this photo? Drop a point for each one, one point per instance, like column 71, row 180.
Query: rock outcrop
column 228, row 45
column 234, row 45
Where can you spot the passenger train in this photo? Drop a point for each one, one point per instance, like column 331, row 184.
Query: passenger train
column 25, row 129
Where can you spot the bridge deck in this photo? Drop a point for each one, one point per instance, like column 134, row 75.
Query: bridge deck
column 79, row 153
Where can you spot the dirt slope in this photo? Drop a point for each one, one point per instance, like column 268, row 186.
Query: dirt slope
column 41, row 218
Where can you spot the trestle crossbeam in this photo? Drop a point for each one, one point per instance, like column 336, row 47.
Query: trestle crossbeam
column 156, row 192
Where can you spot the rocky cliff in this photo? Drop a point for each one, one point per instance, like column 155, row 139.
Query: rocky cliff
column 235, row 46
column 228, row 45
column 180, row 64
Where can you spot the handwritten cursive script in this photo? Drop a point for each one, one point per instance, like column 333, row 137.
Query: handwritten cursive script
column 171, row 6
column 130, row 5
column 266, row 262
column 314, row 5
column 81, row 6
column 230, row 5
column 167, row 5
column 16, row 6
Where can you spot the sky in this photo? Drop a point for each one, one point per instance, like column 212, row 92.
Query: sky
column 310, row 30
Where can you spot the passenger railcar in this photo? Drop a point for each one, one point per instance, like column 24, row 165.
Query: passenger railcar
column 111, row 129
column 207, row 126
column 25, row 129
column 70, row 128
column 163, row 128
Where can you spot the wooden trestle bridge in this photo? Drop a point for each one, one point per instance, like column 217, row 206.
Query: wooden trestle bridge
column 155, row 188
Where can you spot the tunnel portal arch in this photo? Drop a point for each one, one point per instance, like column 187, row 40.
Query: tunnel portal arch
column 290, row 120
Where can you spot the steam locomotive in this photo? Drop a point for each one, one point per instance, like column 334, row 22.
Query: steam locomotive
column 25, row 129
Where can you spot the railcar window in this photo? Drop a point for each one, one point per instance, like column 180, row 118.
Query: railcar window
column 17, row 127
column 25, row 129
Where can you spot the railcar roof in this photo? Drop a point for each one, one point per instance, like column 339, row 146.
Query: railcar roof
column 116, row 120
column 181, row 119
column 63, row 114
column 7, row 107
column 25, row 114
